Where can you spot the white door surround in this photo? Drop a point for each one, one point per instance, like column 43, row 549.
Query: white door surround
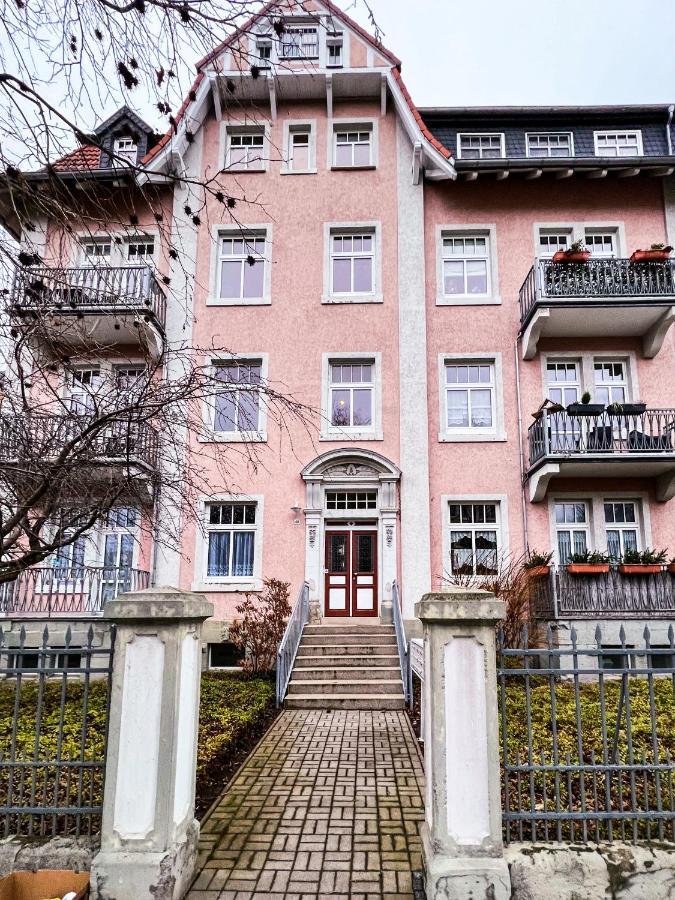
column 353, row 470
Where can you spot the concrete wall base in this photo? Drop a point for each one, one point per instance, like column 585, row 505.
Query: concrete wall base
column 151, row 875
column 25, row 855
column 464, row 878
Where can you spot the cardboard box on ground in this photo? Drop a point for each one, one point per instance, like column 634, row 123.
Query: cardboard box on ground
column 44, row 885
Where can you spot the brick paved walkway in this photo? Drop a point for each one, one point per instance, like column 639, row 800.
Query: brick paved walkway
column 329, row 805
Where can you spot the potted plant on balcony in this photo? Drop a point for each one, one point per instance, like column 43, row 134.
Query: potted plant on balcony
column 626, row 409
column 656, row 253
column 585, row 408
column 590, row 562
column 645, row 562
column 538, row 565
column 577, row 252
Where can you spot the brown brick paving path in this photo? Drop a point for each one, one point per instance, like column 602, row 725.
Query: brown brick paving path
column 329, row 805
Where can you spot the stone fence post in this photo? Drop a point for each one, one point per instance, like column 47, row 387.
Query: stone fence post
column 462, row 835
column 148, row 832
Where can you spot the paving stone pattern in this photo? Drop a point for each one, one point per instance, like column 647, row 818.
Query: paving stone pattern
column 329, row 805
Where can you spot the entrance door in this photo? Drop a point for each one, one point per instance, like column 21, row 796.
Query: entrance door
column 351, row 573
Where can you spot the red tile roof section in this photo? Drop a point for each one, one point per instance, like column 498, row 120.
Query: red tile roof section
column 442, row 149
column 84, row 158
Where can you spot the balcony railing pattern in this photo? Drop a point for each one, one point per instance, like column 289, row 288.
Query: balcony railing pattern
column 99, row 289
column 596, row 278
column 604, row 595
column 67, row 590
column 42, row 436
column 562, row 434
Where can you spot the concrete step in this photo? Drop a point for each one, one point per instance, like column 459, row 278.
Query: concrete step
column 347, row 673
column 345, row 701
column 345, row 660
column 357, row 628
column 357, row 637
column 346, row 649
column 357, row 688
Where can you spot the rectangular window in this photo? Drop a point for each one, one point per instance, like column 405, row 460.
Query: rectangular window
column 299, row 148
column 616, row 658
column 263, row 52
column 85, row 386
column 96, row 250
column 353, row 147
column 334, row 50
column 125, row 151
column 246, row 150
column 241, row 272
column 621, row 527
column 618, row 143
column 300, row 43
column 481, row 146
column 231, row 529
column 470, row 396
column 140, row 250
column 69, row 560
column 601, row 243
column 552, row 241
column 611, row 383
column 351, row 499
column 225, row 656
column 237, row 407
column 351, row 390
column 572, row 529
column 474, row 538
column 466, row 265
column 563, row 385
column 549, row 144
column 351, row 263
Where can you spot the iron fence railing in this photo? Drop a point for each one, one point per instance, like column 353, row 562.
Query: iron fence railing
column 401, row 642
column 564, row 434
column 290, row 642
column 90, row 289
column 596, row 279
column 67, row 590
column 563, row 595
column 587, row 738
column 40, row 436
column 54, row 710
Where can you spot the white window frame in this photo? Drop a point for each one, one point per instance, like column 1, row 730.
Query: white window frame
column 330, row 432
column 502, row 526
column 549, row 134
column 203, row 582
column 263, row 39
column 567, row 233
column 123, row 153
column 236, row 437
column 586, row 361
column 635, row 526
column 334, row 228
column 578, row 230
column 586, row 527
column 613, row 133
column 354, row 124
column 119, row 252
column 293, row 24
column 335, row 39
column 480, row 134
column 489, row 231
column 242, row 127
column 590, row 233
column 212, row 668
column 625, row 384
column 233, row 231
column 472, row 435
column 291, row 126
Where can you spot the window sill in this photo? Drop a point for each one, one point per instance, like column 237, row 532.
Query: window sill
column 352, row 168
column 343, row 434
column 229, row 170
column 447, row 437
column 227, row 587
column 235, row 437
column 238, row 301
column 356, row 298
column 299, row 172
column 467, row 300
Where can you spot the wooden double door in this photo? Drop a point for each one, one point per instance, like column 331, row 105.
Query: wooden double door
column 350, row 572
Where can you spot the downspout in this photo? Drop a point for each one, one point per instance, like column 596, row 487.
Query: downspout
column 521, row 451
column 669, row 137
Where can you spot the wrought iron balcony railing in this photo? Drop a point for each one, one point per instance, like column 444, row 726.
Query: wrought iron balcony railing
column 67, row 590
column 36, row 436
column 560, row 434
column 605, row 595
column 100, row 289
column 617, row 280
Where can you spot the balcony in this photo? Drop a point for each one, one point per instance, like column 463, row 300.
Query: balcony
column 603, row 446
column 47, row 591
column 86, row 306
column 608, row 596
column 598, row 298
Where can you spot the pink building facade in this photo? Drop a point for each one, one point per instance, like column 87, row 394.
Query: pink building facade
column 391, row 269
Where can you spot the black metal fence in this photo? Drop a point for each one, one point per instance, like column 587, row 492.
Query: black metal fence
column 588, row 738
column 54, row 710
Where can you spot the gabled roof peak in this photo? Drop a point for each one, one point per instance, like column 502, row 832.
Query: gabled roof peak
column 124, row 112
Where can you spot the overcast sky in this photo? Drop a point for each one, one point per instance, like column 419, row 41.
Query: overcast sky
column 513, row 52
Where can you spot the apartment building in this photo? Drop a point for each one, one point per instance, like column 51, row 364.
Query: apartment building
column 394, row 269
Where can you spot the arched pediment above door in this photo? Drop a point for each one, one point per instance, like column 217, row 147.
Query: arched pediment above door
column 351, row 464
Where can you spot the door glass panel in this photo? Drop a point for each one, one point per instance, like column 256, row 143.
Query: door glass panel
column 364, row 553
column 338, row 553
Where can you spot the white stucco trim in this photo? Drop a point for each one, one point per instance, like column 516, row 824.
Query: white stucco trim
column 247, row 230
column 239, row 126
column 201, row 581
column 587, row 360
column 333, row 433
column 238, row 437
column 376, row 294
column 577, row 230
column 502, row 527
column 293, row 125
column 472, row 435
column 492, row 298
column 367, row 123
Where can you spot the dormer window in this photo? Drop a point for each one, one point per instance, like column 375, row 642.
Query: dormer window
column 300, row 42
column 125, row 150
column 263, row 54
column 334, row 50
column 481, row 146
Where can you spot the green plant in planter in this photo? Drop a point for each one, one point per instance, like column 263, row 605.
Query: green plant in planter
column 646, row 557
column 590, row 557
column 534, row 560
column 577, row 247
column 586, row 398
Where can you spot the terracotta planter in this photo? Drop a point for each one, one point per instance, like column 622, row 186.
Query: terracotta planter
column 564, row 256
column 639, row 568
column 651, row 255
column 588, row 568
column 671, row 568
column 538, row 572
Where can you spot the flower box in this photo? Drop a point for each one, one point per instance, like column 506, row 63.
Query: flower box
column 587, row 568
column 567, row 256
column 639, row 568
column 536, row 572
column 585, row 409
column 651, row 255
column 626, row 409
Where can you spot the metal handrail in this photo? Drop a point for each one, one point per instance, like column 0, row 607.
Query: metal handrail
column 401, row 642
column 288, row 646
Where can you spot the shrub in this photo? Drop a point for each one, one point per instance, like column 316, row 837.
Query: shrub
column 534, row 560
column 261, row 626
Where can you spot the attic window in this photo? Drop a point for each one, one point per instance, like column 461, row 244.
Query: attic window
column 300, row 43
column 263, row 54
column 334, row 50
column 125, row 150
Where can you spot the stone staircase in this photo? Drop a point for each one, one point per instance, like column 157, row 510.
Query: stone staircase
column 351, row 666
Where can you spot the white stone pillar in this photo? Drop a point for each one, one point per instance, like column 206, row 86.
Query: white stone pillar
column 462, row 836
column 148, row 832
